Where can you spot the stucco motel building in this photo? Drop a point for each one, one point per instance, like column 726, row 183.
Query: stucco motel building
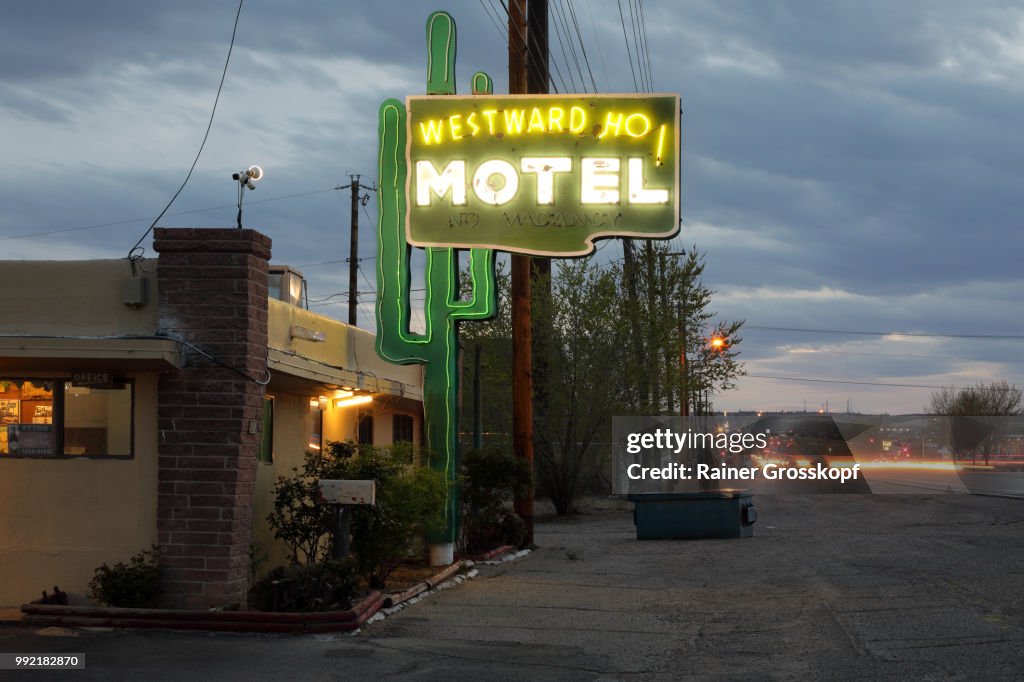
column 155, row 402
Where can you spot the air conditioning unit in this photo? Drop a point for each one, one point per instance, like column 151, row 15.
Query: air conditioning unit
column 285, row 284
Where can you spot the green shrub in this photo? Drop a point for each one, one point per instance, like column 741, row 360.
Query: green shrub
column 327, row 586
column 298, row 518
column 132, row 585
column 410, row 501
column 491, row 478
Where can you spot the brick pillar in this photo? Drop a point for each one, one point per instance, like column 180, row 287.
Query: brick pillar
column 213, row 294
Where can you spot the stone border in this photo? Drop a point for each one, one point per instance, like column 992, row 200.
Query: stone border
column 43, row 615
column 374, row 606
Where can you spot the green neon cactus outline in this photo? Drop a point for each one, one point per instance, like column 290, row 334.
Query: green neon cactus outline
column 436, row 347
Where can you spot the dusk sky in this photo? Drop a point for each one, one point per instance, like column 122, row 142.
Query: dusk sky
column 846, row 166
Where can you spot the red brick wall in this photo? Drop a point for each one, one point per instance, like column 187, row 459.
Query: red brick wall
column 212, row 293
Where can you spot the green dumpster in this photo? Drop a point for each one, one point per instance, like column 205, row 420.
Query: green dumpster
column 726, row 513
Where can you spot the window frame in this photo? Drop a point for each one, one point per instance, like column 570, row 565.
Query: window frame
column 364, row 420
column 57, row 420
column 266, row 435
column 397, row 417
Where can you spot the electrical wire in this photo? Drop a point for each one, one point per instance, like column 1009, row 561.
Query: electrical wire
column 597, row 41
column 856, row 332
column 80, row 228
column 560, row 26
column 862, row 383
column 534, row 57
column 583, row 47
column 136, row 252
column 645, row 42
column 622, row 20
column 636, row 46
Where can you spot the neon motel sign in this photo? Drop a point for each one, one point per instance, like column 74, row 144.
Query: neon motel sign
column 541, row 174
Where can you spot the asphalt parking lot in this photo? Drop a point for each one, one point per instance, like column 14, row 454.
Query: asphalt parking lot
column 830, row 587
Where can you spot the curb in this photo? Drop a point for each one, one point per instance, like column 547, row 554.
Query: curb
column 375, row 606
column 440, row 584
column 428, row 584
column 40, row 615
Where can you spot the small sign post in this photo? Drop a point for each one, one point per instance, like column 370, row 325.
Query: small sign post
column 342, row 496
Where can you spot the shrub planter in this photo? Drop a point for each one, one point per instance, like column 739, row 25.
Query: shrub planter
column 726, row 513
column 226, row 621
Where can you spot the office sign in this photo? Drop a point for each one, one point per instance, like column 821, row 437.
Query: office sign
column 541, row 174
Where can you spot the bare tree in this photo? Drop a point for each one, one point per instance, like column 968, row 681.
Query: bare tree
column 974, row 437
column 998, row 399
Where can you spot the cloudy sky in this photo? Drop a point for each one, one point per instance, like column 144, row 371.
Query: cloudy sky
column 847, row 166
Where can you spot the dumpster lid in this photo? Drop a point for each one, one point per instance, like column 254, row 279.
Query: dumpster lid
column 720, row 494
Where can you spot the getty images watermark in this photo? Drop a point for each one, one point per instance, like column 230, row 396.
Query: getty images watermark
column 818, row 454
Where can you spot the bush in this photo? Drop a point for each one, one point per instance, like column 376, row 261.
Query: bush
column 410, row 501
column 491, row 478
column 132, row 585
column 327, row 586
column 298, row 518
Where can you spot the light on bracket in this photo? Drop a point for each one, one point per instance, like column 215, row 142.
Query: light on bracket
column 353, row 400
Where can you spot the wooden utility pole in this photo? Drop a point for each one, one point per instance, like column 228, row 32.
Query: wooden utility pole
column 523, row 68
column 353, row 254
column 629, row 268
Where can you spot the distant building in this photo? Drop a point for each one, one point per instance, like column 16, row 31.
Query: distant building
column 156, row 403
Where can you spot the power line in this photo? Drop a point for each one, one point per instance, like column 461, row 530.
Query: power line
column 95, row 226
column 534, row 61
column 629, row 54
column 636, row 45
column 560, row 25
column 860, row 383
column 644, row 42
column 597, row 41
column 854, row 332
column 332, row 262
column 132, row 255
column 583, row 47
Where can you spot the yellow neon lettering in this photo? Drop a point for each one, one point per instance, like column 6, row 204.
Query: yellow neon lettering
column 514, row 120
column 646, row 122
column 433, row 130
column 471, row 122
column 536, row 121
column 455, row 123
column 609, row 124
column 555, row 115
column 577, row 119
column 489, row 114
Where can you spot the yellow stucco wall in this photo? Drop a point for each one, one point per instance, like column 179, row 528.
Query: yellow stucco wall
column 347, row 352
column 82, row 298
column 60, row 519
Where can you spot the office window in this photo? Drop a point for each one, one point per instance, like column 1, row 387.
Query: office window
column 98, row 421
column 52, row 417
column 266, row 451
column 401, row 428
